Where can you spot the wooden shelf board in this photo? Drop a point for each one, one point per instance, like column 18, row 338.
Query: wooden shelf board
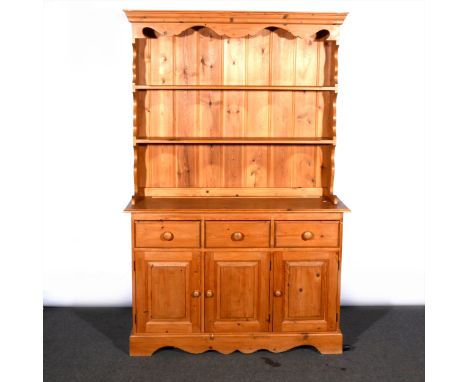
column 236, row 140
column 236, row 87
column 319, row 204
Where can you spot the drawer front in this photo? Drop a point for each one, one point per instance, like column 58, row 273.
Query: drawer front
column 237, row 234
column 167, row 234
column 307, row 234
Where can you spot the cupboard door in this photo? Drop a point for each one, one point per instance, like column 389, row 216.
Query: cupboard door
column 305, row 291
column 237, row 291
column 168, row 292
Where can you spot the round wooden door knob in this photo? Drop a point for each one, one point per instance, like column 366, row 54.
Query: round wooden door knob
column 307, row 235
column 237, row 236
column 278, row 293
column 209, row 293
column 196, row 293
column 167, row 236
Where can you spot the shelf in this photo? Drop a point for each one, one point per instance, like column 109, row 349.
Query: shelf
column 236, row 87
column 236, row 140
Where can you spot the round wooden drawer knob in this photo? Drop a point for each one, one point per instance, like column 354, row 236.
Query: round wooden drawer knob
column 278, row 293
column 196, row 293
column 307, row 235
column 167, row 236
column 209, row 293
column 237, row 236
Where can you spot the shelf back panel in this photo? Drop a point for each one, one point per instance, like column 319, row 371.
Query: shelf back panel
column 233, row 166
column 202, row 113
column 201, row 57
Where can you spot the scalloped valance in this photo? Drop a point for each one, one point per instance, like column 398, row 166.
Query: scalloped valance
column 235, row 24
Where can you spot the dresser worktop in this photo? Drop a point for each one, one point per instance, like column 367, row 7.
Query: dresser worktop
column 237, row 204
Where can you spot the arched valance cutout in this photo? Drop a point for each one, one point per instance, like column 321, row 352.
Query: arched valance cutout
column 149, row 32
column 322, row 35
column 281, row 32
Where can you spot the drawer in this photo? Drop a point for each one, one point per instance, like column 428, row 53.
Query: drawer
column 167, row 234
column 307, row 234
column 237, row 234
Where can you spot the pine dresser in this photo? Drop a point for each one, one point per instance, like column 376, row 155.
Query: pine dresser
column 236, row 231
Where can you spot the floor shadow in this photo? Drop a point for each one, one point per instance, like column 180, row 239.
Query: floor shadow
column 355, row 320
column 114, row 323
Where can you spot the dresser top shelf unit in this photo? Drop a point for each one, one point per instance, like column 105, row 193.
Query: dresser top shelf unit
column 234, row 104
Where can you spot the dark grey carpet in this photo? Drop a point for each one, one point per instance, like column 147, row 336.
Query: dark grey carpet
column 87, row 344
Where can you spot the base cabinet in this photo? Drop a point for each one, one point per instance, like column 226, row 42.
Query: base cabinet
column 226, row 295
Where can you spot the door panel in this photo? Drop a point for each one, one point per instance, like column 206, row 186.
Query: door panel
column 236, row 291
column 165, row 301
column 236, row 283
column 305, row 291
column 168, row 283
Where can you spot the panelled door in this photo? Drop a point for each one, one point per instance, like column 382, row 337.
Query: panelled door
column 168, row 292
column 305, row 291
column 237, row 291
